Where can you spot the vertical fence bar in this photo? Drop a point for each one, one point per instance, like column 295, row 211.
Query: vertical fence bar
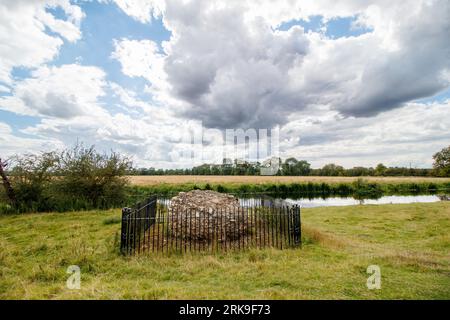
column 149, row 229
column 209, row 237
column 138, row 224
column 185, row 238
column 129, row 235
column 272, row 222
column 223, row 231
column 238, row 225
column 177, row 223
column 215, row 231
column 144, row 227
column 282, row 212
column 258, row 229
column 164, row 212
column 277, row 218
column 289, row 226
column 123, row 234
column 158, row 235
column 134, row 230
column 243, row 226
column 263, row 228
column 171, row 226
column 165, row 219
column 299, row 224
column 153, row 229
column 190, row 229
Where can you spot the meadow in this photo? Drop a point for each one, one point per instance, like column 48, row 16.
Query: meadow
column 410, row 243
column 186, row 179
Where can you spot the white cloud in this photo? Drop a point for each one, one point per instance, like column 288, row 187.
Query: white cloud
column 61, row 92
column 141, row 59
column 23, row 36
column 141, row 10
column 411, row 134
column 13, row 144
column 225, row 64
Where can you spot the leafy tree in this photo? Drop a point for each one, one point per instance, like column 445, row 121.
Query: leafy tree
column 380, row 170
column 90, row 175
column 441, row 163
column 332, row 170
column 293, row 167
column 77, row 178
column 31, row 177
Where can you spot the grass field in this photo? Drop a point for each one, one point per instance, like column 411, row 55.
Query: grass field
column 410, row 243
column 154, row 180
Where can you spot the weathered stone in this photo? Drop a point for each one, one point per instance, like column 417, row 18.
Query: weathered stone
column 207, row 215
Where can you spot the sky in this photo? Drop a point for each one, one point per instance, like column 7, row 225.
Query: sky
column 352, row 82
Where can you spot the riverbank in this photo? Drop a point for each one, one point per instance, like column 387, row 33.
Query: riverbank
column 359, row 188
column 189, row 179
column 410, row 244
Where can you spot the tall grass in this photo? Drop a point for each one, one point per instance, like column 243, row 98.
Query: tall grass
column 409, row 242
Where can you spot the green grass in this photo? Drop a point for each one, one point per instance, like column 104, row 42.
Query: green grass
column 410, row 243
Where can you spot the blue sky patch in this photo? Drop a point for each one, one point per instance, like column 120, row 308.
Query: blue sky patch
column 335, row 28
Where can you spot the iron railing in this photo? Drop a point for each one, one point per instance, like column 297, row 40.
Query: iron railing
column 154, row 226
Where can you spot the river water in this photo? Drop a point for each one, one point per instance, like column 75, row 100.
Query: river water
column 335, row 201
column 331, row 201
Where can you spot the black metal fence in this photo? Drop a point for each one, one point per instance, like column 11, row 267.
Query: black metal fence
column 154, row 226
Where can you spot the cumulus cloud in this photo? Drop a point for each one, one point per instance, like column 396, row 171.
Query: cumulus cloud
column 407, row 135
column 141, row 59
column 12, row 144
column 60, row 92
column 141, row 10
column 25, row 42
column 229, row 66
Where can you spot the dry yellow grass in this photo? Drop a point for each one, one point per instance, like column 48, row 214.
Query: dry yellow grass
column 154, row 180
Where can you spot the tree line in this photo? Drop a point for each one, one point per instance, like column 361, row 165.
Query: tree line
column 294, row 167
column 82, row 178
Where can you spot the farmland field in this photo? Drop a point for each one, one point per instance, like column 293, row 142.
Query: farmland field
column 182, row 179
column 410, row 243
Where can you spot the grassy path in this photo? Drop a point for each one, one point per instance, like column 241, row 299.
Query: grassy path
column 410, row 243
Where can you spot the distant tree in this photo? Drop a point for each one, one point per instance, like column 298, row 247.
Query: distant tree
column 441, row 163
column 288, row 166
column 332, row 170
column 293, row 167
column 380, row 170
column 357, row 172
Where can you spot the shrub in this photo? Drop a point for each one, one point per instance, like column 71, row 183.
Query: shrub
column 31, row 177
column 95, row 178
column 74, row 179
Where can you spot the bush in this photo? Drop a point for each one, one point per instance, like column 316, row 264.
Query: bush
column 31, row 178
column 95, row 178
column 74, row 179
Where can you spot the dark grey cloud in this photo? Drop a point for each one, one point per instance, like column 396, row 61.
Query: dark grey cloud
column 232, row 72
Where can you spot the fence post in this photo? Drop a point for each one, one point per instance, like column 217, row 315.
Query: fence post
column 124, row 232
column 297, row 226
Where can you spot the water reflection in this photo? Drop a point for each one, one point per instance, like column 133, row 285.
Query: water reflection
column 268, row 201
column 328, row 202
